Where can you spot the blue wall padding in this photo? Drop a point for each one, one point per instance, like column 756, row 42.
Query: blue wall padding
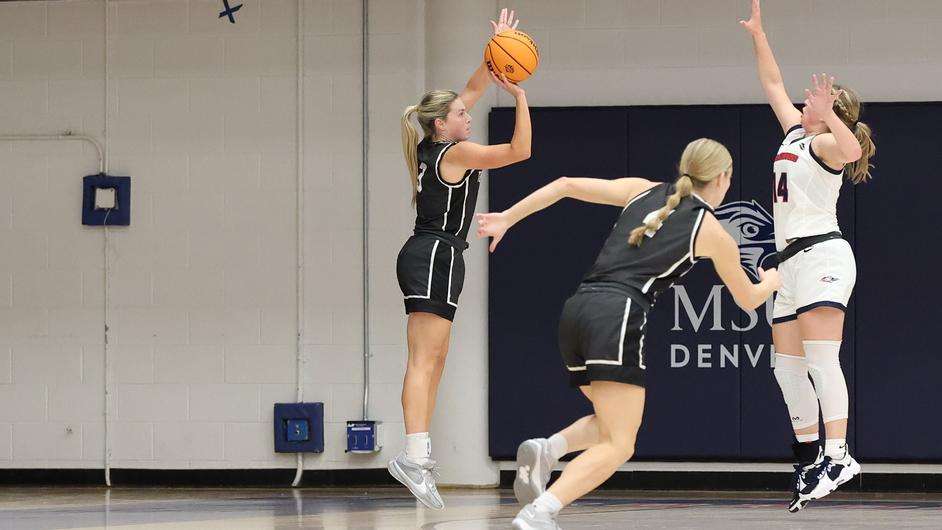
column 707, row 408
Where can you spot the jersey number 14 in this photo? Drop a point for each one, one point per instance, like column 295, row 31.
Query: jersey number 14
column 781, row 188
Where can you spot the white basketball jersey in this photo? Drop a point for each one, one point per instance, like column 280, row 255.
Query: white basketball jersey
column 804, row 192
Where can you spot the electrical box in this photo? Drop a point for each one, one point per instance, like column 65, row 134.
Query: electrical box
column 299, row 427
column 106, row 200
column 364, row 436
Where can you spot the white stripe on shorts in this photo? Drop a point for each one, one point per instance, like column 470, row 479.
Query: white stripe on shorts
column 621, row 339
column 431, row 268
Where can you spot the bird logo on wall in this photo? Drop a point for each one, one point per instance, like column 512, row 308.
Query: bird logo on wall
column 753, row 227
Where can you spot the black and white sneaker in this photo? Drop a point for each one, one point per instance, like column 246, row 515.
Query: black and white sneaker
column 803, row 482
column 805, row 478
column 833, row 474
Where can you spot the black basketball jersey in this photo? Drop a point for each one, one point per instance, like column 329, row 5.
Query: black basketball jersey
column 442, row 207
column 663, row 257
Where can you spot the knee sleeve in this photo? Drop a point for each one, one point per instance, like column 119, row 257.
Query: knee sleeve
column 824, row 365
column 791, row 372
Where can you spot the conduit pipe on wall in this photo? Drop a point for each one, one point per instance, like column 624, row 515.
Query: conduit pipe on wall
column 299, row 143
column 109, row 384
column 365, row 72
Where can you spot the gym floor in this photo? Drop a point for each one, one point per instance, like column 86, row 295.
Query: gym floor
column 23, row 508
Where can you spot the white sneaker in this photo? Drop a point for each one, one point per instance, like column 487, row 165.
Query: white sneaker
column 835, row 473
column 419, row 477
column 529, row 518
column 534, row 465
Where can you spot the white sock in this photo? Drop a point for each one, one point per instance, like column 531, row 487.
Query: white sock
column 559, row 447
column 418, row 446
column 548, row 503
column 836, row 448
column 805, row 438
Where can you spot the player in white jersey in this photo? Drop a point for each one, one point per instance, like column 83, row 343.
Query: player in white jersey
column 824, row 142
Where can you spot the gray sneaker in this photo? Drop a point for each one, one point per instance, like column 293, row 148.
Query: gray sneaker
column 534, row 465
column 530, row 518
column 419, row 477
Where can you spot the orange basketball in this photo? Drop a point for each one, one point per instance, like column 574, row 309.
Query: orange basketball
column 512, row 53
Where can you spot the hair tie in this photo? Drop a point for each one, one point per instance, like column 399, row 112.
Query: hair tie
column 688, row 175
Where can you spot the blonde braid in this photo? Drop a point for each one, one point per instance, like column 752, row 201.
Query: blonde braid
column 682, row 188
column 703, row 161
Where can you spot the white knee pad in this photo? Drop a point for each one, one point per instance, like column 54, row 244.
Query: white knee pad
column 824, row 365
column 791, row 372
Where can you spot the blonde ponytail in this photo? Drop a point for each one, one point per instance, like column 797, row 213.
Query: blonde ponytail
column 434, row 105
column 860, row 170
column 702, row 161
column 410, row 139
column 848, row 108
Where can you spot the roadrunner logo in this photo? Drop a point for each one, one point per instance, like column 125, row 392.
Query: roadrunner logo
column 751, row 225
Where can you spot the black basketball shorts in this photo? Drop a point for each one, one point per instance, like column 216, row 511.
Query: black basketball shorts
column 431, row 275
column 601, row 337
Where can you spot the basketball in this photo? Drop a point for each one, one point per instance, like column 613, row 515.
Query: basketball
column 512, row 53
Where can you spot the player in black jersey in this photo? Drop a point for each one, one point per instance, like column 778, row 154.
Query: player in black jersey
column 663, row 230
column 444, row 168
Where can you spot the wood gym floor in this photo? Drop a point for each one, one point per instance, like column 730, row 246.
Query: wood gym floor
column 30, row 508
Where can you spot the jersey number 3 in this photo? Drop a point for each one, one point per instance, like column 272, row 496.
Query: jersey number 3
column 422, row 167
column 781, row 188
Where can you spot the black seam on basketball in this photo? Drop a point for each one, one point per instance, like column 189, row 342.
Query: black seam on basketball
column 531, row 47
column 511, row 57
column 496, row 67
column 493, row 67
column 491, row 53
column 536, row 54
column 494, row 56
